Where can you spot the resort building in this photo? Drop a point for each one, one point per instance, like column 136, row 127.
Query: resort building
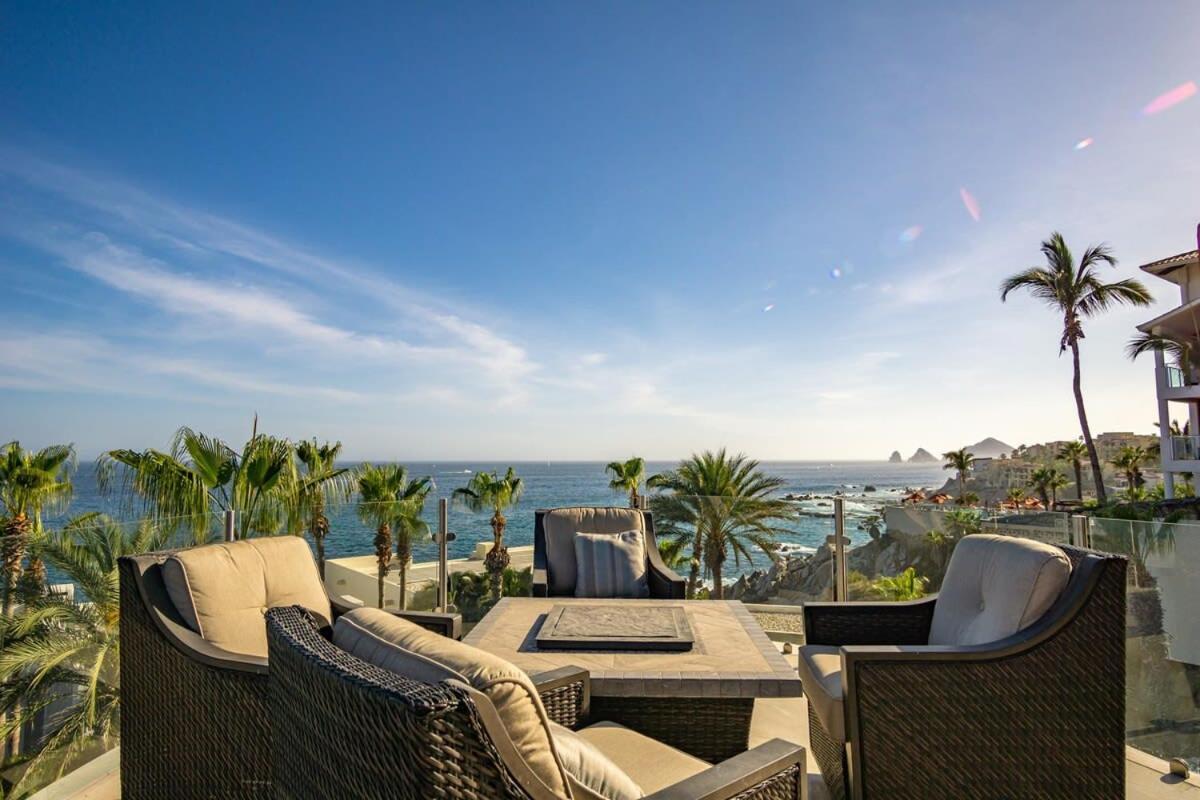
column 1178, row 383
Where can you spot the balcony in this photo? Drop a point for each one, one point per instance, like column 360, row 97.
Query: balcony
column 899, row 560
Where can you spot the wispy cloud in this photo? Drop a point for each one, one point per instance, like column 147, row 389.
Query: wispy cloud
column 192, row 232
column 86, row 362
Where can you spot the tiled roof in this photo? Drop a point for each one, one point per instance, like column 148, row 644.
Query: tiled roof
column 1167, row 264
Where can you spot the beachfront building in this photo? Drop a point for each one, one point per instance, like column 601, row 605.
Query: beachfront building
column 1178, row 384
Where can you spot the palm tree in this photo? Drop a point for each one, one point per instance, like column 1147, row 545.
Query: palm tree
column 321, row 483
column 905, row 586
column 959, row 460
column 30, row 484
column 1179, row 349
column 392, row 504
column 1074, row 452
column 55, row 644
column 721, row 505
column 200, row 477
column 627, row 478
column 486, row 491
column 1077, row 293
column 1129, row 461
column 1016, row 495
column 1047, row 480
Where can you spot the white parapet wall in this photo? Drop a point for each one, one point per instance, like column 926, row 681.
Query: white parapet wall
column 357, row 577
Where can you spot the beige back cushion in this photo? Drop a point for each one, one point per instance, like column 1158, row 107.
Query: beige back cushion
column 400, row 646
column 996, row 586
column 611, row 565
column 561, row 525
column 223, row 590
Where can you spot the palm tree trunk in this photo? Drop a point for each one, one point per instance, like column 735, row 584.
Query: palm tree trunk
column 1078, row 480
column 718, row 592
column 697, row 555
column 497, row 558
column 633, row 497
column 1093, row 456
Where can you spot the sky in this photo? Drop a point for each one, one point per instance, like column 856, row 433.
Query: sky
column 579, row 231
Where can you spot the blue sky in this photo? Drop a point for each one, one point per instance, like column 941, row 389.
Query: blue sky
column 537, row 231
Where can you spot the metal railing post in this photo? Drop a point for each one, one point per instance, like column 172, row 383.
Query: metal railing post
column 1081, row 531
column 230, row 525
column 839, row 541
column 443, row 537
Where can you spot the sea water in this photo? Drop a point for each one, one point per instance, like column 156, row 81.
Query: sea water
column 552, row 484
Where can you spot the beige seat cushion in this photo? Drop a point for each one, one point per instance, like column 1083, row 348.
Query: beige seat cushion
column 820, row 669
column 589, row 771
column 611, row 565
column 398, row 645
column 651, row 764
column 223, row 590
column 996, row 586
column 560, row 526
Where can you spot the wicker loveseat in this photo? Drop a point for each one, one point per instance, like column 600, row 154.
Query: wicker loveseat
column 1039, row 712
column 554, row 530
column 194, row 720
column 355, row 729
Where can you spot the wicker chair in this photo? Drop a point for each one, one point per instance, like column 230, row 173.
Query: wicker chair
column 552, row 532
column 194, row 720
column 1040, row 713
column 356, row 730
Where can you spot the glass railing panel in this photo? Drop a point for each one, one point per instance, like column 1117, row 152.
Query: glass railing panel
column 907, row 555
column 1176, row 378
column 1162, row 636
column 1185, row 448
column 71, row 562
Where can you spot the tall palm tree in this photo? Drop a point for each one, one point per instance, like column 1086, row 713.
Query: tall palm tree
column 959, row 460
column 721, row 505
column 392, row 504
column 321, row 483
column 55, row 643
column 627, row 477
column 1077, row 293
column 1074, row 452
column 1129, row 461
column 31, row 483
column 200, row 477
column 487, row 491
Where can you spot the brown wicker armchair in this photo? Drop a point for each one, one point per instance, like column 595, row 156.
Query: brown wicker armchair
column 552, row 532
column 357, row 730
column 1038, row 713
column 194, row 720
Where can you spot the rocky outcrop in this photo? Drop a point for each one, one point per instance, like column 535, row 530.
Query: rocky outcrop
column 895, row 458
column 922, row 456
column 809, row 577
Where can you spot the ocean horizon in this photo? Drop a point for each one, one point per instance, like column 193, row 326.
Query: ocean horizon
column 549, row 484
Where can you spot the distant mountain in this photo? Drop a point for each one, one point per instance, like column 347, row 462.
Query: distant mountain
column 990, row 448
column 922, row 456
column 895, row 458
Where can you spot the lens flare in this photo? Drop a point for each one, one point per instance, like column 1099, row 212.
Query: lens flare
column 1084, row 144
column 768, row 307
column 836, row 273
column 911, row 234
column 970, row 203
column 1170, row 99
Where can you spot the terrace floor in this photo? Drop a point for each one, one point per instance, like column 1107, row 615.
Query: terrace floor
column 783, row 718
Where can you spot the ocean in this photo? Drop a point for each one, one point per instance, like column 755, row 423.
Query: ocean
column 551, row 484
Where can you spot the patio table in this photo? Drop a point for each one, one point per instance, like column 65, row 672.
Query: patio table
column 699, row 701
